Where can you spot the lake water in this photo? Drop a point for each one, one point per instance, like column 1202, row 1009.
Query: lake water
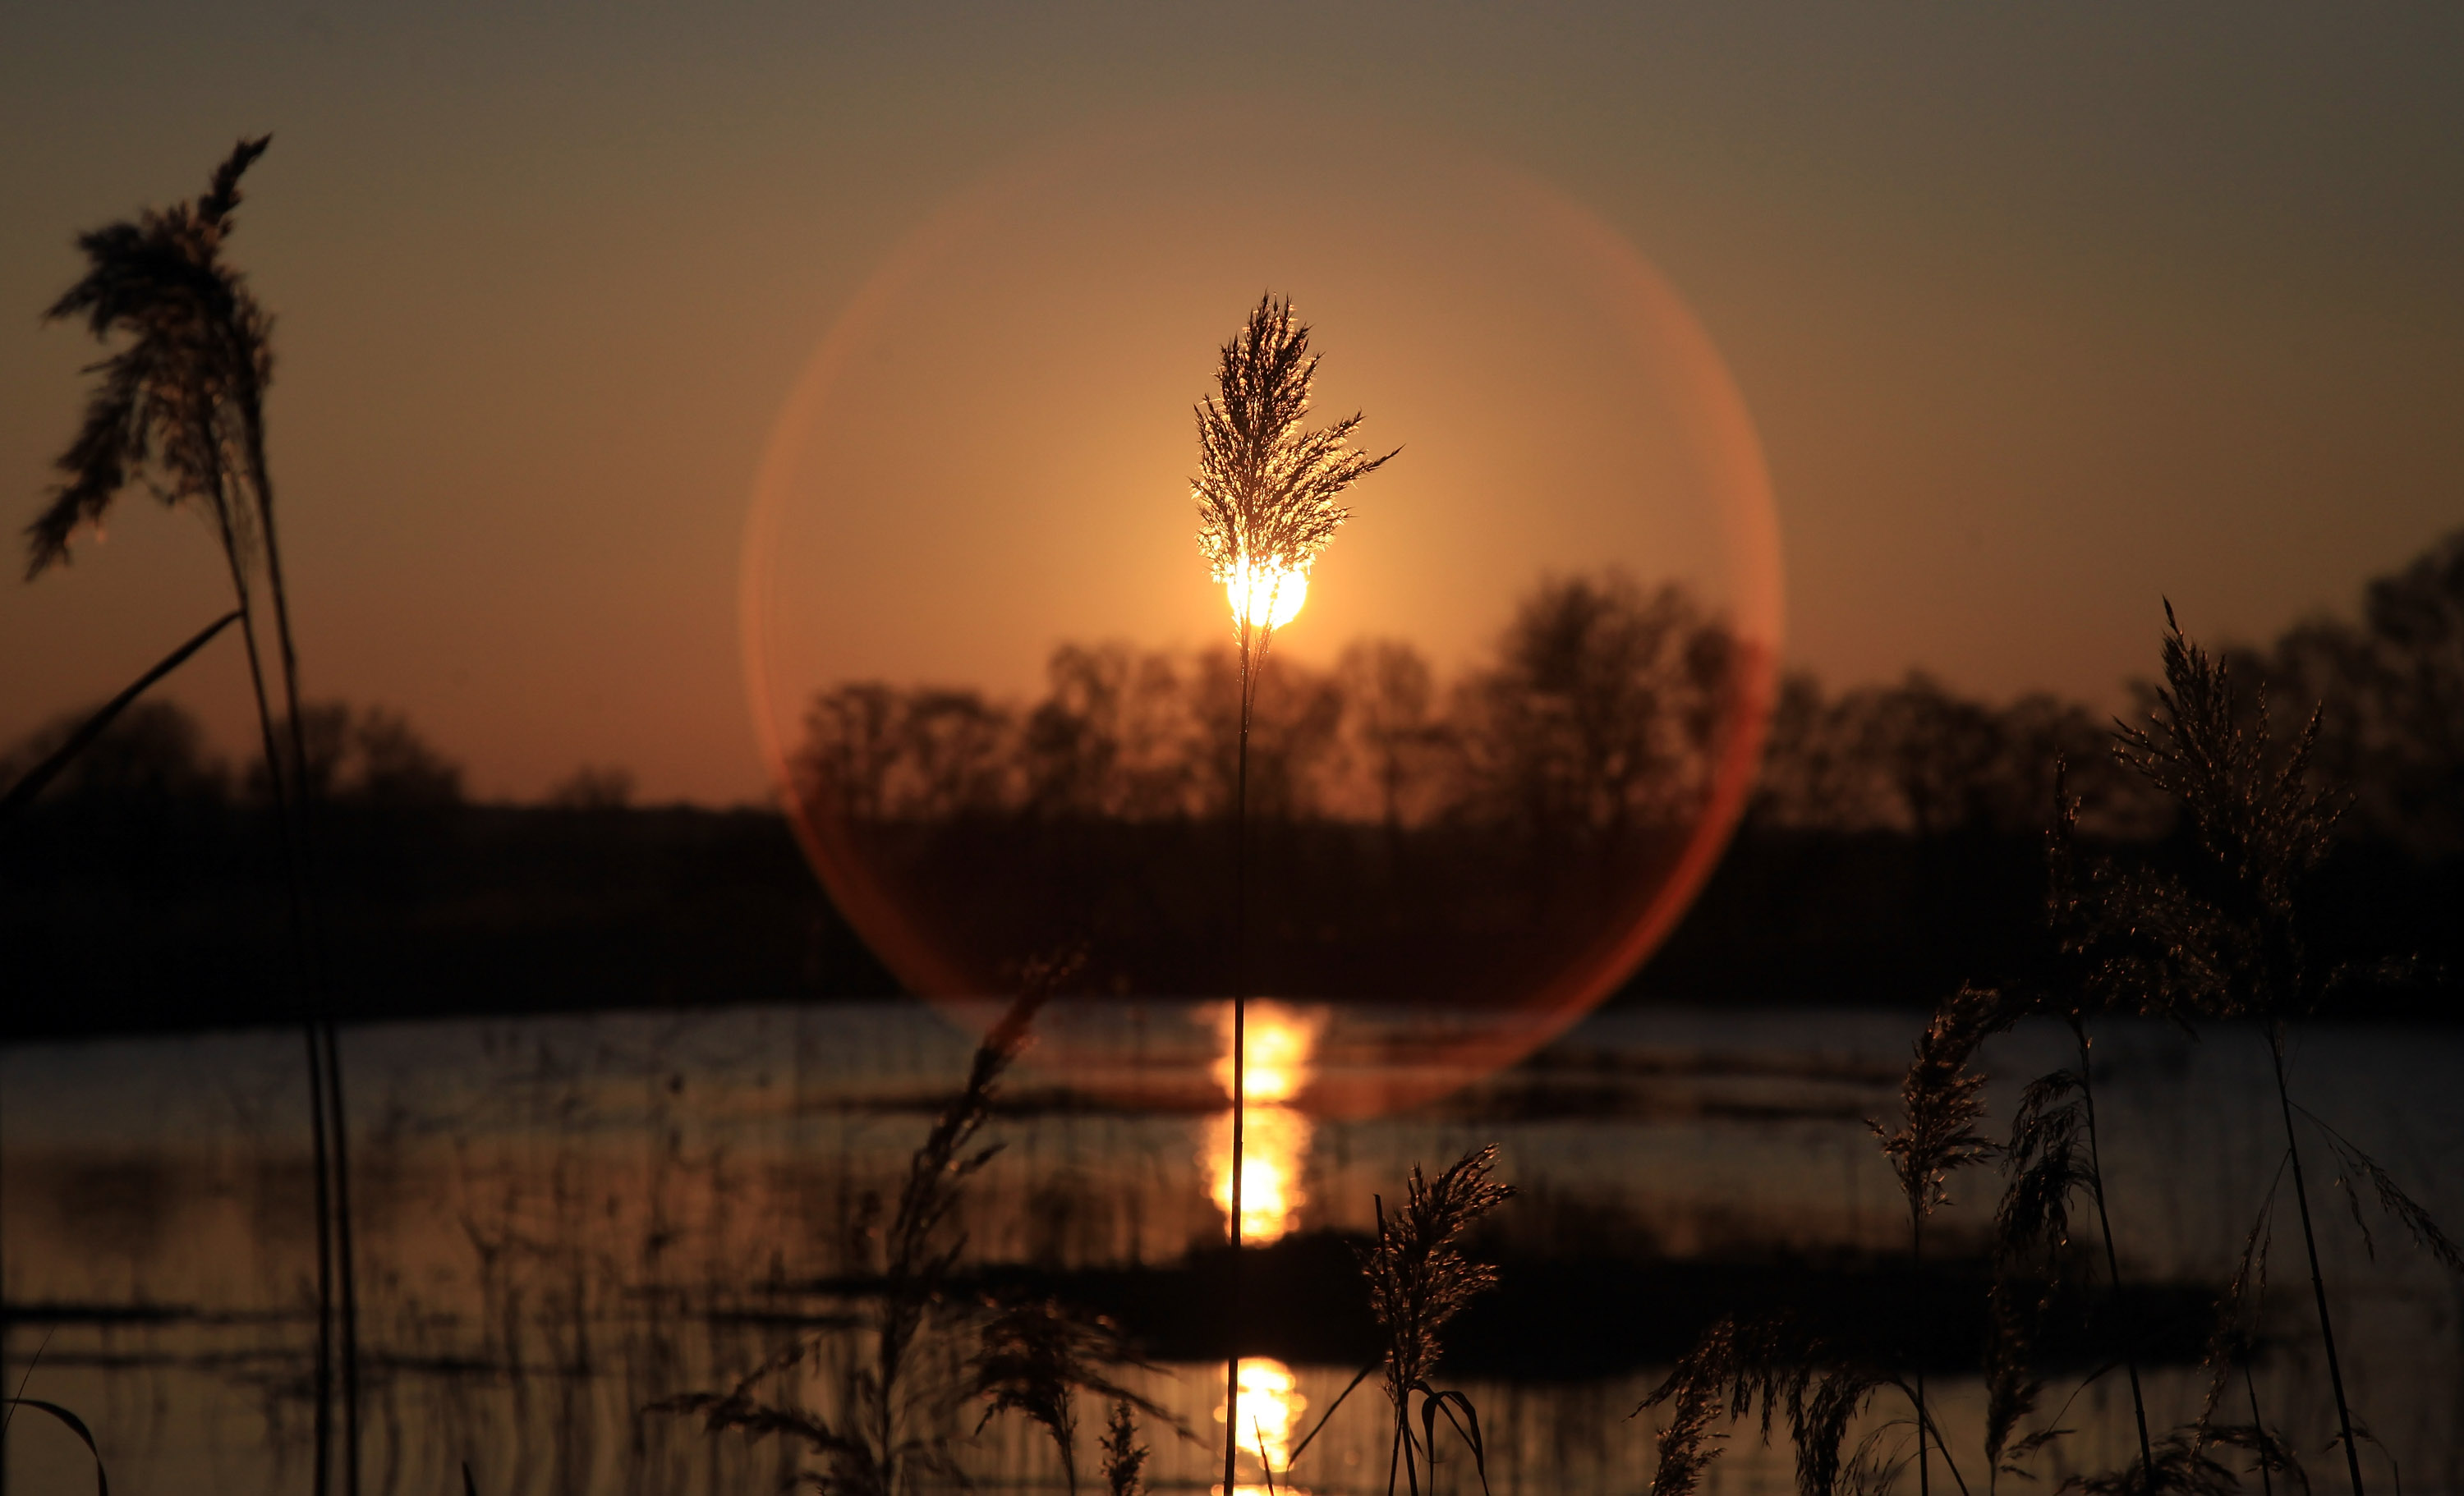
column 563, row 1221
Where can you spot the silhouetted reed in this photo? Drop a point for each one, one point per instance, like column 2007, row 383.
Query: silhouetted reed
column 70, row 1421
column 2056, row 1147
column 1419, row 1278
column 1125, row 1458
column 2221, row 936
column 2225, row 936
column 181, row 406
column 1775, row 1364
column 1267, row 492
column 889, row 1429
column 1941, row 1102
column 1036, row 1357
column 33, row 782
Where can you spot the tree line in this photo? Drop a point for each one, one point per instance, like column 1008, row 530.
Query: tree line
column 1601, row 710
column 1601, row 703
column 1602, row 706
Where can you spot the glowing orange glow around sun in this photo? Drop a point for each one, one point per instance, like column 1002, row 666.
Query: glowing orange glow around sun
column 1282, row 1043
column 1266, row 595
column 1272, row 1405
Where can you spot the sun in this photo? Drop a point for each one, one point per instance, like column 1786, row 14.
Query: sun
column 1266, row 596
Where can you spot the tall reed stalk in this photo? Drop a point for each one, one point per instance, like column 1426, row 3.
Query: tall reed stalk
column 2041, row 1155
column 2224, row 936
column 1266, row 492
column 1419, row 1279
column 1940, row 1101
column 182, row 405
column 2230, row 931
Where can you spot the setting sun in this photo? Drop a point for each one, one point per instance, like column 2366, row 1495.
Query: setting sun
column 1266, row 596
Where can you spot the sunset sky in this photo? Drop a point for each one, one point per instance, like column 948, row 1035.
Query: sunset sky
column 2039, row 313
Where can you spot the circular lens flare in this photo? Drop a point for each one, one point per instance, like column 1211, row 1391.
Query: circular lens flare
column 997, row 697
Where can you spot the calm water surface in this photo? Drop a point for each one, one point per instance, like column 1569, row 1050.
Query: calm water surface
column 563, row 1220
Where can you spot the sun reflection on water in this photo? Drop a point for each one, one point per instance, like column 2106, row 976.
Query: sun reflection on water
column 1281, row 1042
column 1272, row 1405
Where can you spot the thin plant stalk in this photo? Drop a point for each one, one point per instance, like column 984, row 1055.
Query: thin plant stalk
column 2318, row 1283
column 1252, row 665
column 1940, row 1101
column 1267, row 495
column 252, row 411
column 1916, row 1271
column 32, row 783
column 199, row 361
column 317, row 1090
column 2112, row 1260
column 347, row 1278
column 2263, row 828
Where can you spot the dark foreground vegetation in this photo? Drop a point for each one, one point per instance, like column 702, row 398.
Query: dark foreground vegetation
column 133, row 913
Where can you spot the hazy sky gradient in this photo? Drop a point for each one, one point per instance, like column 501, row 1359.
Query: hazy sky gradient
column 2041, row 312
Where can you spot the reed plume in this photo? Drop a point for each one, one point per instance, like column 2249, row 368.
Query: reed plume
column 1419, row 1278
column 1772, row 1363
column 885, row 1435
column 2055, row 1149
column 1125, row 1458
column 2224, row 937
column 181, row 408
column 1941, row 1102
column 1035, row 1357
column 1267, row 491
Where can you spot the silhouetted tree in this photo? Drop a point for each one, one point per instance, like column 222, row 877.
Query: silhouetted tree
column 1112, row 736
column 369, row 755
column 2388, row 692
column 1389, row 696
column 594, row 788
column 1599, row 714
column 1916, row 757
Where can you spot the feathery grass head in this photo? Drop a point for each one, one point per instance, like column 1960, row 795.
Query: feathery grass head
column 172, row 404
column 1036, row 1357
column 1125, row 1458
column 2224, row 941
column 1942, row 1099
column 2263, row 826
column 1418, row 1278
column 1267, row 489
column 1793, row 1375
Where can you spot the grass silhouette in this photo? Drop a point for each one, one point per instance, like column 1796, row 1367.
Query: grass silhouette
column 1266, row 492
column 181, row 406
column 1419, row 1278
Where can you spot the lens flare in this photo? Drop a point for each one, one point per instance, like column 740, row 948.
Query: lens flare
column 1283, row 1040
column 1272, row 1405
column 997, row 696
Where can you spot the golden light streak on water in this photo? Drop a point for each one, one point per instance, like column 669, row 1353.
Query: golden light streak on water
column 1272, row 1405
column 1270, row 1157
column 1283, row 1040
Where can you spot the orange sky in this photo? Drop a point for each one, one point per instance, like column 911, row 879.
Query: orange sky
column 2036, row 316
